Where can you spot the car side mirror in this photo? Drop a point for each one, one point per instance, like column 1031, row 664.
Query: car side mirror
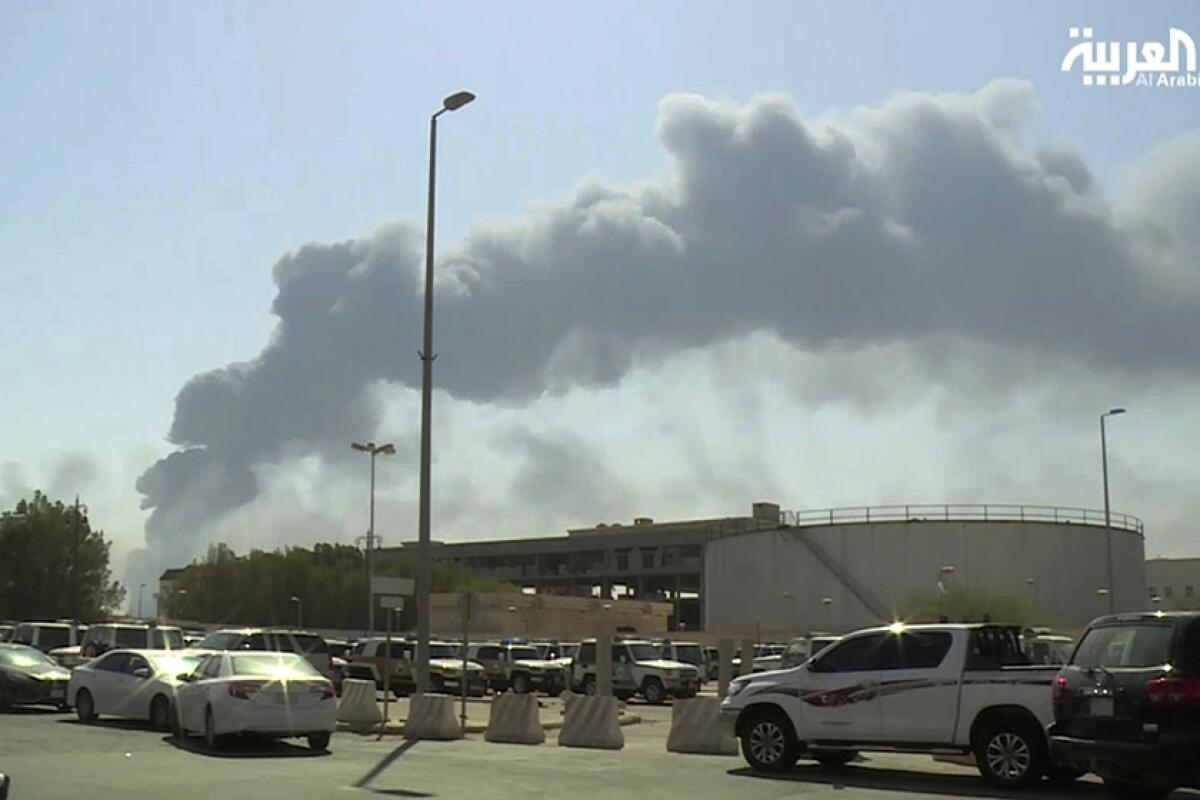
column 142, row 672
column 184, row 676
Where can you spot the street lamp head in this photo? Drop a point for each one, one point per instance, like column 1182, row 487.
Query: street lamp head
column 457, row 100
column 827, row 601
column 947, row 569
column 295, row 599
column 362, row 448
column 1112, row 412
column 388, row 449
column 1102, row 592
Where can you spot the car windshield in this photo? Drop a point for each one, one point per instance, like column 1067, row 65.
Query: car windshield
column 27, row 660
column 220, row 641
column 1132, row 646
column 282, row 665
column 524, row 654
column 172, row 664
column 643, row 652
column 689, row 653
column 443, row 651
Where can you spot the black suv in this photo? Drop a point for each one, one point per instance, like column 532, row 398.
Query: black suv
column 1127, row 704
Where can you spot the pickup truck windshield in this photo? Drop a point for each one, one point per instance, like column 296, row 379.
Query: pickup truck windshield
column 1142, row 645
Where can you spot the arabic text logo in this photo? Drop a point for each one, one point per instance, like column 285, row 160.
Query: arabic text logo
column 1136, row 63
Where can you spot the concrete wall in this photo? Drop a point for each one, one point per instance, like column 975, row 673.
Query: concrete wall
column 1175, row 582
column 548, row 617
column 747, row 576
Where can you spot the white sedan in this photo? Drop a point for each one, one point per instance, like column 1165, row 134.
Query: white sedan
column 137, row 684
column 269, row 694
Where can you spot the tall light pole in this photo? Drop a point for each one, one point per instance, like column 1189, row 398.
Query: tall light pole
column 374, row 450
column 299, row 611
column 451, row 103
column 1107, row 518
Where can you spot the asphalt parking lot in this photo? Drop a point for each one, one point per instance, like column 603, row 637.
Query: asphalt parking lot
column 51, row 755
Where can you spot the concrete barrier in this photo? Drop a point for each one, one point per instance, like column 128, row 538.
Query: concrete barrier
column 431, row 716
column 357, row 707
column 697, row 727
column 591, row 722
column 514, row 720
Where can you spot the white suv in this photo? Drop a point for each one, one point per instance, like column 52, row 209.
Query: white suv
column 637, row 669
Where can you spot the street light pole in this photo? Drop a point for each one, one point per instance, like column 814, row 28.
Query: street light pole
column 373, row 450
column 451, row 103
column 299, row 611
column 1107, row 518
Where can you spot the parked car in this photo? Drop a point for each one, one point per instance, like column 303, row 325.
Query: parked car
column 104, row 636
column 1127, row 704
column 802, row 648
column 945, row 689
column 520, row 667
column 279, row 640
column 280, row 695
column 29, row 677
column 134, row 684
column 368, row 662
column 1043, row 647
column 46, row 636
column 712, row 663
column 637, row 669
column 67, row 657
column 685, row 652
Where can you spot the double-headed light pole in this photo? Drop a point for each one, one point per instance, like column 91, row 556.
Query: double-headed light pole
column 1107, row 517
column 451, row 103
column 373, row 450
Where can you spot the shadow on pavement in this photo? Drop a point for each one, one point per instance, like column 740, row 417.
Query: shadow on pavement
column 32, row 711
column 114, row 724
column 246, row 747
column 401, row 793
column 924, row 784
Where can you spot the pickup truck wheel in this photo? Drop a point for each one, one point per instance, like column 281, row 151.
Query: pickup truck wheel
column 832, row 759
column 768, row 743
column 1011, row 752
column 654, row 692
column 589, row 686
column 520, row 684
column 1122, row 790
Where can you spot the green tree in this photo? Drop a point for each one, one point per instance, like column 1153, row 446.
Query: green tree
column 53, row 564
column 330, row 580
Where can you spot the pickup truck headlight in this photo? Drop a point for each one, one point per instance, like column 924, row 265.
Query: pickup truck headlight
column 671, row 673
column 736, row 687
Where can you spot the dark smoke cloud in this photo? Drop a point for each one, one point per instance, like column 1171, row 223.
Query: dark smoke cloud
column 923, row 219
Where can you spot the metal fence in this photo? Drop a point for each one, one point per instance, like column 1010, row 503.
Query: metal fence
column 957, row 512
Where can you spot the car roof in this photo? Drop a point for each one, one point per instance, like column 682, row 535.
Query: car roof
column 251, row 631
column 1145, row 616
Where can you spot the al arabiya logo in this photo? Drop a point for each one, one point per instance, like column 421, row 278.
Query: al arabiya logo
column 1134, row 63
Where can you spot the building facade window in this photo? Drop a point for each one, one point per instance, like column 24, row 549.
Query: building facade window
column 1153, row 593
column 1167, row 591
column 1187, row 591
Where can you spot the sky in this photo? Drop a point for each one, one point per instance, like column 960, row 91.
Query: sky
column 692, row 255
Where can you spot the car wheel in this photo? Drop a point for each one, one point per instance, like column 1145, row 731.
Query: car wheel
column 520, row 684
column 1123, row 790
column 1011, row 752
column 160, row 713
column 319, row 741
column 589, row 686
column 654, row 692
column 85, row 707
column 832, row 759
column 211, row 740
column 768, row 741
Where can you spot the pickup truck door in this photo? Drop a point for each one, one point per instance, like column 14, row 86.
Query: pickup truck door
column 838, row 693
column 919, row 686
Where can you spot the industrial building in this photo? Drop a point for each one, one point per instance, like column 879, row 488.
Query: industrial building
column 1172, row 583
column 778, row 572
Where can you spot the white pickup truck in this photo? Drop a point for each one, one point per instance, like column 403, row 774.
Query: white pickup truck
column 937, row 689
